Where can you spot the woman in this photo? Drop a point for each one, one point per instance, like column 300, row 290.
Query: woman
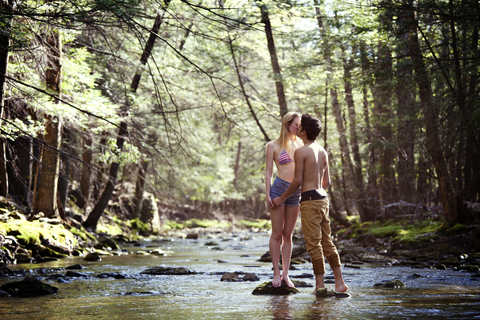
column 284, row 217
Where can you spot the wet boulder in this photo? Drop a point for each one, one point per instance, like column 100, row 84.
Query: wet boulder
column 28, row 287
column 325, row 293
column 250, row 277
column 108, row 242
column 267, row 288
column 168, row 271
column 230, row 277
column 301, row 284
column 93, row 256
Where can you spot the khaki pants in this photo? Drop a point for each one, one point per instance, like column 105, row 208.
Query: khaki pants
column 316, row 229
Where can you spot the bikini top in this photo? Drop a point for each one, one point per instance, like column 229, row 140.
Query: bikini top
column 284, row 158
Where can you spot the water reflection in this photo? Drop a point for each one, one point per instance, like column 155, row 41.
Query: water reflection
column 280, row 307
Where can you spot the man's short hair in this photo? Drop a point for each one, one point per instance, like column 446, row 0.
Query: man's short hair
column 311, row 125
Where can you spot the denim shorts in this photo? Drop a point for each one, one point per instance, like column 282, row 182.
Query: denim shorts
column 278, row 188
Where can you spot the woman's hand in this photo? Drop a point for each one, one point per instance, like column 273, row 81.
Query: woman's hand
column 270, row 202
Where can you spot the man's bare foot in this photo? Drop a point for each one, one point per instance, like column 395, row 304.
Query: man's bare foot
column 315, row 291
column 277, row 281
column 342, row 287
column 288, row 282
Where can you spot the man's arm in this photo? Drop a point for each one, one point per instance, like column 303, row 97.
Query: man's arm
column 297, row 179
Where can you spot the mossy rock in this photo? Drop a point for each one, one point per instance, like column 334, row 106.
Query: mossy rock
column 168, row 271
column 267, row 288
column 325, row 293
column 28, row 287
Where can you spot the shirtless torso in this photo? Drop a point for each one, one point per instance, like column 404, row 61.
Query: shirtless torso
column 312, row 166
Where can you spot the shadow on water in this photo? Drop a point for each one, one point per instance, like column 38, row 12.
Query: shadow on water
column 431, row 294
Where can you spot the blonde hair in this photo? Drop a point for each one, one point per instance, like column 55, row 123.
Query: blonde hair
column 284, row 137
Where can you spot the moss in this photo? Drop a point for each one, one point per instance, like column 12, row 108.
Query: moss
column 30, row 233
column 259, row 223
column 171, row 224
column 111, row 229
column 83, row 234
column 137, row 224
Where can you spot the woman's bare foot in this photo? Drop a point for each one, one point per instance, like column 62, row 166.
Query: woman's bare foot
column 288, row 282
column 277, row 281
column 341, row 287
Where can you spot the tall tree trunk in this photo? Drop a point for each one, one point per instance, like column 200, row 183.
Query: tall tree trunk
column 46, row 201
column 102, row 203
column 382, row 109
column 371, row 189
column 282, row 101
column 406, row 113
column 237, row 163
column 430, row 112
column 352, row 116
column 6, row 20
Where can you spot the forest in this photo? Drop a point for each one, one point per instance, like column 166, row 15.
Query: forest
column 105, row 103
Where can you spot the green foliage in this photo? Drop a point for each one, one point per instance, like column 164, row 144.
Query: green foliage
column 171, row 224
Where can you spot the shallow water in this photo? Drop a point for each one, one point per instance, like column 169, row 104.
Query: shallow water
column 437, row 294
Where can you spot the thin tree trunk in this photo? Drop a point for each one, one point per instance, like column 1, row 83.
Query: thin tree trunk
column 6, row 19
column 237, row 163
column 46, row 201
column 140, row 188
column 102, row 203
column 382, row 108
column 372, row 189
column 86, row 179
column 361, row 201
column 405, row 113
column 282, row 101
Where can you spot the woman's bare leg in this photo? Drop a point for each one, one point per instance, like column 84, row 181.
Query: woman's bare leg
column 290, row 219
column 276, row 216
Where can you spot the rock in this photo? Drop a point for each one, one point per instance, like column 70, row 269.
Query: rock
column 93, row 256
column 28, row 287
column 4, row 294
column 302, row 284
column 23, row 258
column 76, row 274
column 211, row 243
column 149, row 213
column 391, row 284
column 221, row 261
column 5, row 271
column 75, row 267
column 440, row 266
column 298, row 260
column 303, row 275
column 108, row 242
column 250, row 277
column 470, row 268
column 351, row 266
column 230, row 277
column 266, row 288
column 168, row 271
column 192, row 236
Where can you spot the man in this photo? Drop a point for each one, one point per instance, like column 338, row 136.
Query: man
column 311, row 172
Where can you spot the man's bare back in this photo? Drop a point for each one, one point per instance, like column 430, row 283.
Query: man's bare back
column 312, row 165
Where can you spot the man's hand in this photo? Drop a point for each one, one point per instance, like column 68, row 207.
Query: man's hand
column 277, row 201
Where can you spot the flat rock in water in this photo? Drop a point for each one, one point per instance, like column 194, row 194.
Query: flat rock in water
column 391, row 284
column 302, row 284
column 250, row 277
column 168, row 271
column 266, row 288
column 28, row 287
column 230, row 276
column 325, row 293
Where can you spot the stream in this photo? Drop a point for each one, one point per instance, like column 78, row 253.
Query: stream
column 429, row 293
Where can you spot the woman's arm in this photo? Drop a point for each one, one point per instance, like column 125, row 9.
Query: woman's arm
column 270, row 150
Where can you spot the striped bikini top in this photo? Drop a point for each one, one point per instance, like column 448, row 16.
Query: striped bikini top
column 284, row 158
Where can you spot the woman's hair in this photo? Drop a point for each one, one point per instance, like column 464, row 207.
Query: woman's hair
column 283, row 139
